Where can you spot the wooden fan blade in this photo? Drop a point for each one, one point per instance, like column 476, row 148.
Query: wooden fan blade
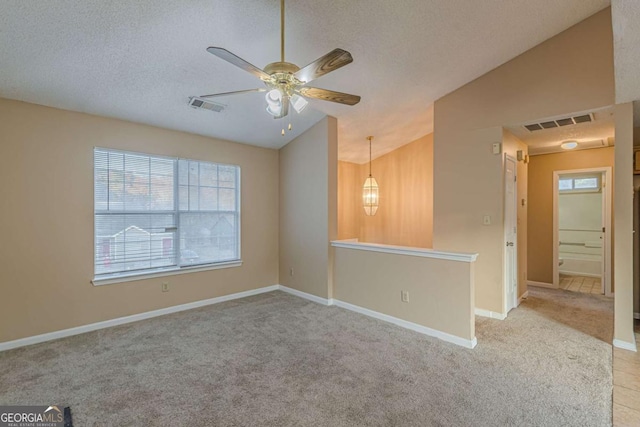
column 238, row 62
column 329, row 95
column 330, row 62
column 237, row 92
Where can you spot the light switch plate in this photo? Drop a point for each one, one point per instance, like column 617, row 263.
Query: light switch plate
column 404, row 296
column 497, row 147
column 486, row 220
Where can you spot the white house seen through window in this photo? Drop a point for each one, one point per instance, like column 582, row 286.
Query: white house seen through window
column 156, row 213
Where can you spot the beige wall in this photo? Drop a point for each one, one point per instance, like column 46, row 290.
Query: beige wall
column 405, row 215
column 556, row 77
column 440, row 291
column 623, row 217
column 512, row 145
column 46, row 256
column 308, row 204
column 541, row 168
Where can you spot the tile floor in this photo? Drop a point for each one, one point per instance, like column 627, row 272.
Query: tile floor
column 587, row 285
column 626, row 387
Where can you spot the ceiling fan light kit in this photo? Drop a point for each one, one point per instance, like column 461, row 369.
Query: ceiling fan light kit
column 299, row 103
column 286, row 82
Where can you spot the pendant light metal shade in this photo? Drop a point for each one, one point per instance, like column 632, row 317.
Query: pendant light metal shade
column 370, row 190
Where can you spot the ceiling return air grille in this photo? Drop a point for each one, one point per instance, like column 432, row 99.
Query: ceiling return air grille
column 584, row 118
column 195, row 102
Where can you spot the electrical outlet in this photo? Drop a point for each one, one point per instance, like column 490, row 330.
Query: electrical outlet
column 165, row 286
column 404, row 295
column 291, row 272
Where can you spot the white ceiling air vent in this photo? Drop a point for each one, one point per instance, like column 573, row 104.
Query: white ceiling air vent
column 195, row 102
column 566, row 121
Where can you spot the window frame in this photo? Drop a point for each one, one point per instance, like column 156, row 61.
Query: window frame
column 574, row 190
column 134, row 275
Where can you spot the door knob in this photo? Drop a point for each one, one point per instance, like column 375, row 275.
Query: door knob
column 509, row 243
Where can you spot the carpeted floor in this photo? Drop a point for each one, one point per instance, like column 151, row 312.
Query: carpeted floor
column 277, row 360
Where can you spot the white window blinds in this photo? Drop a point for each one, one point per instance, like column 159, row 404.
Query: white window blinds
column 156, row 213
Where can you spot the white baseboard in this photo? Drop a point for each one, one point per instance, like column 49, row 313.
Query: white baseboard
column 491, row 314
column 36, row 339
column 8, row 345
column 541, row 284
column 523, row 297
column 408, row 325
column 310, row 297
column 384, row 317
column 625, row 345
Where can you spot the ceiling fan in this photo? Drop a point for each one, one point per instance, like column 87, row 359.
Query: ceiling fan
column 285, row 83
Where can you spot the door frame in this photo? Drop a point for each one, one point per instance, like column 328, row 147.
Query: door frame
column 514, row 303
column 606, row 194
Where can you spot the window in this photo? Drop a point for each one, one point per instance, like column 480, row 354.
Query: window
column 156, row 214
column 579, row 184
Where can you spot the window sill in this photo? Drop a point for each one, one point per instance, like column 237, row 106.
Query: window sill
column 163, row 273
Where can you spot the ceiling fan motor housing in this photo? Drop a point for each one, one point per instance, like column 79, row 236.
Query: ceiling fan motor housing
column 281, row 68
column 282, row 77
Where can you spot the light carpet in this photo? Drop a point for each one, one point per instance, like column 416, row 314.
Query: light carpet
column 278, row 360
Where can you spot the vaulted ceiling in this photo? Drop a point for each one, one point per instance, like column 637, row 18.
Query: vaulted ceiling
column 141, row 60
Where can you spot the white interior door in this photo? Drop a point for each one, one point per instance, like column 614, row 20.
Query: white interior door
column 511, row 234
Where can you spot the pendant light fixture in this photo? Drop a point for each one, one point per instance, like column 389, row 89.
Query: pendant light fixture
column 370, row 189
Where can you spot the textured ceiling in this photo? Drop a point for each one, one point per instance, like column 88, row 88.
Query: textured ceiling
column 625, row 15
column 596, row 134
column 141, row 60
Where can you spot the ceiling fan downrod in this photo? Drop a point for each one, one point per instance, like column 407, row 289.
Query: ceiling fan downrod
column 281, row 30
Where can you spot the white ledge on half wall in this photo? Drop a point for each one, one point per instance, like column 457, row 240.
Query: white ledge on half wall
column 404, row 250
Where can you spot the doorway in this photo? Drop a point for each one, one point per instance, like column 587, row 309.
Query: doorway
column 582, row 230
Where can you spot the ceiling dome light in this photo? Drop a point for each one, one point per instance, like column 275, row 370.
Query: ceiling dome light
column 274, row 102
column 569, row 145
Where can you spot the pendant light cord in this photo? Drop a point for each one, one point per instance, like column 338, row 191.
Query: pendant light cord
column 282, row 30
column 369, row 157
column 369, row 138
